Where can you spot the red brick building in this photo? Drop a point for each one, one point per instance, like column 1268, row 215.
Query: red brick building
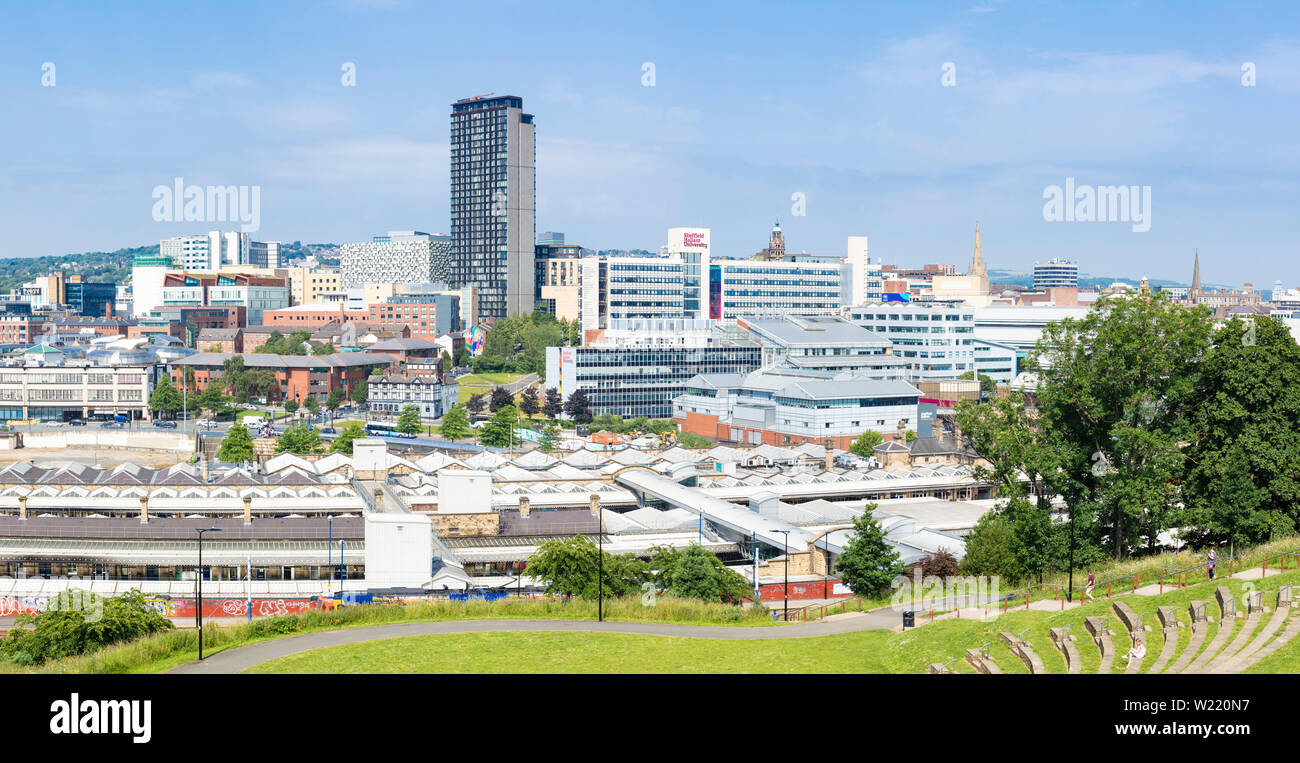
column 297, row 376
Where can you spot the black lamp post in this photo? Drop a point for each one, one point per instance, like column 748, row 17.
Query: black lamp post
column 198, row 610
column 786, row 614
column 600, row 561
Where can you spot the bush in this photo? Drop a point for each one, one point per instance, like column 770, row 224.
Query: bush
column 65, row 630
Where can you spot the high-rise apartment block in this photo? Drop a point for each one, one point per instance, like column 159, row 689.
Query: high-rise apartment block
column 493, row 187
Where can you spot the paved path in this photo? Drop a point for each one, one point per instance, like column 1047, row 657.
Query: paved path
column 239, row 660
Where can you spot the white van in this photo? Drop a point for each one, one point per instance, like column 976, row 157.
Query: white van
column 253, row 423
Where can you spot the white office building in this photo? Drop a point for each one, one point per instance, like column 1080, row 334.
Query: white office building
column 399, row 257
column 866, row 284
column 934, row 339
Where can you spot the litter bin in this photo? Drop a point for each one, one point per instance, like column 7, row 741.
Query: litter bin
column 909, row 618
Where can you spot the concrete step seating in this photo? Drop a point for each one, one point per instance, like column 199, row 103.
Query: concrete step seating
column 1100, row 631
column 1169, row 632
column 1020, row 648
column 1234, row 661
column 1063, row 641
column 980, row 660
column 1227, row 624
column 1200, row 626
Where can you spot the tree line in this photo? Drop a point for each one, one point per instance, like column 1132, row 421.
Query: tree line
column 1146, row 419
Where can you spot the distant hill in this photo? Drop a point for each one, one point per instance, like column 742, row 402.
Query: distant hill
column 114, row 267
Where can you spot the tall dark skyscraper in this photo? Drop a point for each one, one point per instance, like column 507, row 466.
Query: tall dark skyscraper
column 493, row 186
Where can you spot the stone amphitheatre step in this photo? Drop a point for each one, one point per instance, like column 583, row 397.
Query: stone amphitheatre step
column 1169, row 631
column 1227, row 623
column 1292, row 631
column 1025, row 652
column 1243, row 636
column 1233, row 664
column 1200, row 625
column 1101, row 637
column 982, row 662
column 1063, row 641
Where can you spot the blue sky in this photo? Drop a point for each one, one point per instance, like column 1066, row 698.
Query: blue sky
column 752, row 102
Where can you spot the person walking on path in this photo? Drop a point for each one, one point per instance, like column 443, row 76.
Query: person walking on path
column 1214, row 557
column 1092, row 581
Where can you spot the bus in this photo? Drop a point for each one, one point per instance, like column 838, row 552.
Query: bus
column 381, row 429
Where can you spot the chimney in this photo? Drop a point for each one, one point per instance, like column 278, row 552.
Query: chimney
column 248, row 509
column 22, row 507
column 594, row 503
column 830, row 456
column 524, row 507
column 203, row 469
column 144, row 509
column 379, row 499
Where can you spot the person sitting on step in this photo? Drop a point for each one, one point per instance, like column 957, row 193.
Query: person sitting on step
column 1139, row 650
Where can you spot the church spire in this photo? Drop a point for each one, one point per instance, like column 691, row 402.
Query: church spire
column 1196, row 276
column 977, row 262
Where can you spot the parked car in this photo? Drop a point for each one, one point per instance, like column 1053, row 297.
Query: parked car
column 76, row 423
column 112, row 425
column 161, row 424
column 53, row 423
column 122, row 418
column 207, row 424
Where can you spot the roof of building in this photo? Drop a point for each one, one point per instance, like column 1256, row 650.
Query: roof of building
column 816, row 330
column 212, row 333
column 269, row 360
column 837, row 389
column 403, row 344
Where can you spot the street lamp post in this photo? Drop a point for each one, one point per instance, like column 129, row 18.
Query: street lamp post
column 786, row 612
column 198, row 610
column 600, row 561
column 343, row 569
column 329, row 555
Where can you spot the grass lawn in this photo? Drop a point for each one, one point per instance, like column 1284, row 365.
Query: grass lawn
column 476, row 384
column 530, row 652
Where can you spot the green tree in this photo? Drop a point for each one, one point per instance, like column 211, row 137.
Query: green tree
column 869, row 564
column 361, row 392
column 476, row 403
column 447, row 365
column 302, row 440
column 165, row 399
column 290, row 406
column 64, row 629
column 259, row 382
column 409, row 421
column 351, row 430
column 865, row 443
column 323, row 349
column 695, row 573
column 236, row 446
column 1243, row 478
column 498, row 432
column 312, row 405
column 335, row 399
column 990, row 549
column 569, row 567
column 211, row 398
column 550, row 435
column 455, row 424
column 1114, row 393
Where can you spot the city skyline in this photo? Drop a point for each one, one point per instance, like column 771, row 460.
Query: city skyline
column 863, row 125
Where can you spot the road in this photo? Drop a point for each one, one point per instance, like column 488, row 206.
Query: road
column 243, row 658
